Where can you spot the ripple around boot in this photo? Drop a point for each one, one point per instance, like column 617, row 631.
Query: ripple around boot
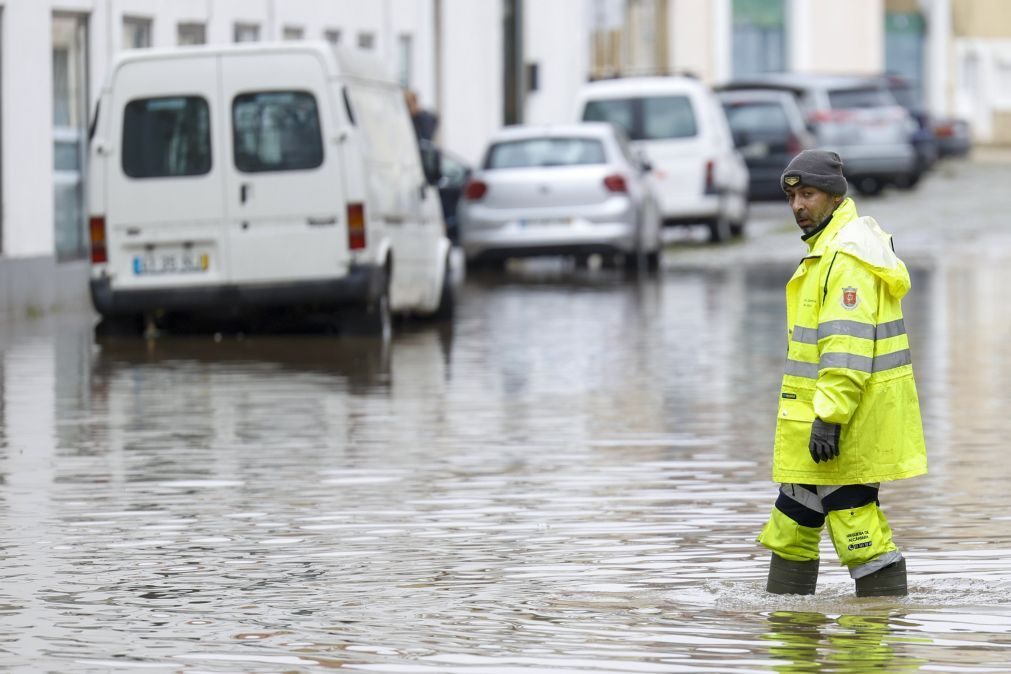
column 788, row 577
column 887, row 582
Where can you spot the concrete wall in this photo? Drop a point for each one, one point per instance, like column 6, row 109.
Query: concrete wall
column 826, row 36
column 557, row 40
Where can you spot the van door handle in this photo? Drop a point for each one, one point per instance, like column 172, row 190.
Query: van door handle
column 243, row 193
column 319, row 222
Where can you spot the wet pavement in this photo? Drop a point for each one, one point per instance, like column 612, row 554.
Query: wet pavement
column 569, row 478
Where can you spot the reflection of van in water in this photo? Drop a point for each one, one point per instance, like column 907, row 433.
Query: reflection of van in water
column 239, row 180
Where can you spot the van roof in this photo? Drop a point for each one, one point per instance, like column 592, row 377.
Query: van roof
column 636, row 86
column 349, row 62
column 799, row 82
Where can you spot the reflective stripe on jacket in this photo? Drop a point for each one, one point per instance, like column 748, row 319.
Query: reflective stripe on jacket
column 848, row 360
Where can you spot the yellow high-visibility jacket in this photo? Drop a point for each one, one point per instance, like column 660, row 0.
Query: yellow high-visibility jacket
column 848, row 360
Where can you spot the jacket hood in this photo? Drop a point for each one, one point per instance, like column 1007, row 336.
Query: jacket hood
column 863, row 238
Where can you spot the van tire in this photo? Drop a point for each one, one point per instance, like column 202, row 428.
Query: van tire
column 719, row 229
column 119, row 326
column 447, row 298
column 374, row 319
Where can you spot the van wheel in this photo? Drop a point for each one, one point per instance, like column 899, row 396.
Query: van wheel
column 374, row 319
column 447, row 298
column 719, row 229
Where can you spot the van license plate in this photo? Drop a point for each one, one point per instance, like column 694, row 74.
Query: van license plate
column 171, row 263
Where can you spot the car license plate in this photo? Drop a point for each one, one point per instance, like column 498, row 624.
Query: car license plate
column 545, row 222
column 171, row 262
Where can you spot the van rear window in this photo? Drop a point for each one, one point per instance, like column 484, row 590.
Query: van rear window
column 537, row 152
column 647, row 118
column 166, row 137
column 276, row 131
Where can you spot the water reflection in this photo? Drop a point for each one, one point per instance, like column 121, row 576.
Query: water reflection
column 846, row 644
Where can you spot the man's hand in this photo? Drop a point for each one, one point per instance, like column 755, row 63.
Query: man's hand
column 824, row 444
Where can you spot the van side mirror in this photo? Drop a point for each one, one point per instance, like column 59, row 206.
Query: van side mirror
column 431, row 163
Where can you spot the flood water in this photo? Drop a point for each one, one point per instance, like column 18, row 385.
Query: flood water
column 569, row 478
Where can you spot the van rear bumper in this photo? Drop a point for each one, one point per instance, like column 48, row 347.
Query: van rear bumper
column 361, row 285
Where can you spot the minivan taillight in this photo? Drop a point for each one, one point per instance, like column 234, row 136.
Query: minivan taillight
column 96, row 228
column 356, row 226
column 616, row 183
column 710, row 177
column 475, row 190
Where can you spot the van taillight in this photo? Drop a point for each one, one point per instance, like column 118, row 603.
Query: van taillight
column 475, row 190
column 616, row 183
column 710, row 177
column 96, row 228
column 356, row 226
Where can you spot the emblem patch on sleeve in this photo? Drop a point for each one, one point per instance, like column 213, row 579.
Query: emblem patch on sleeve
column 849, row 300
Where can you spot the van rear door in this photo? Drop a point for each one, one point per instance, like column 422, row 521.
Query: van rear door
column 284, row 198
column 164, row 201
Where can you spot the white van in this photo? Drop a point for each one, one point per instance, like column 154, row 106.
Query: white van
column 698, row 175
column 244, row 180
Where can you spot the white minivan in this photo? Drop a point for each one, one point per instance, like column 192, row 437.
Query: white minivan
column 260, row 180
column 678, row 123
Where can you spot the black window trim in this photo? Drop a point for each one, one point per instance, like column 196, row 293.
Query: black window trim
column 122, row 155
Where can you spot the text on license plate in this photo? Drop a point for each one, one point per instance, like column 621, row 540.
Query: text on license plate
column 544, row 222
column 171, row 263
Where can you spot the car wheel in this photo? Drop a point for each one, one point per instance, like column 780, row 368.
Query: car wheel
column 119, row 326
column 908, row 182
column 869, row 186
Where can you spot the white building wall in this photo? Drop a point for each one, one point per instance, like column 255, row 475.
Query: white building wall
column 472, row 74
column 826, row 36
column 557, row 39
column 27, row 149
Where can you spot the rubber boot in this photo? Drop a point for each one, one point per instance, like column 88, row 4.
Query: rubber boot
column 786, row 577
column 887, row 582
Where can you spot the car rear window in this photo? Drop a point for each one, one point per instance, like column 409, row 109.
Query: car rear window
column 532, row 152
column 166, row 137
column 276, row 131
column 653, row 118
column 870, row 97
column 757, row 117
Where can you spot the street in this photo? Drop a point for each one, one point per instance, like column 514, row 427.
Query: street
column 568, row 477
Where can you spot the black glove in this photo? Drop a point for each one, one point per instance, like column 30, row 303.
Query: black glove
column 824, row 444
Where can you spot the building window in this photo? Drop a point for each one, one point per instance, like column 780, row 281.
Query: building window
column 293, row 33
column 332, row 36
column 191, row 33
column 629, row 37
column 247, row 32
column 759, row 37
column 366, row 40
column 905, row 38
column 136, row 32
column 70, row 133
column 404, row 60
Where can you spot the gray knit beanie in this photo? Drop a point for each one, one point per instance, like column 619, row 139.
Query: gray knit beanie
column 815, row 168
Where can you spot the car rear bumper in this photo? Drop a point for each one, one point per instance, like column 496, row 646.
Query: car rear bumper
column 580, row 236
column 361, row 285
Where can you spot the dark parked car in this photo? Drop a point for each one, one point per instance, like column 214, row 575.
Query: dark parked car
column 449, row 174
column 855, row 116
column 769, row 130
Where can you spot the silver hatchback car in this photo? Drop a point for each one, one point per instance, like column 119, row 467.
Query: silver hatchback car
column 560, row 190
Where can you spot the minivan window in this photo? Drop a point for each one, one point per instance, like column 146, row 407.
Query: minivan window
column 841, row 99
column 276, row 131
column 648, row 118
column 166, row 137
column 545, row 152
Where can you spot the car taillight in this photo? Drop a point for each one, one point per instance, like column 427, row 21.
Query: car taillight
column 96, row 228
column 793, row 145
column 475, row 190
column 831, row 116
column 356, row 226
column 616, row 183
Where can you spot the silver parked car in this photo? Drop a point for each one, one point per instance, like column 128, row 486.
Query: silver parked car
column 855, row 116
column 560, row 190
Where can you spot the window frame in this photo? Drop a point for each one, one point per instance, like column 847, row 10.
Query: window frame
column 235, row 131
column 210, row 140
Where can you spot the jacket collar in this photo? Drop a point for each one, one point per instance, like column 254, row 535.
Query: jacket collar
column 823, row 237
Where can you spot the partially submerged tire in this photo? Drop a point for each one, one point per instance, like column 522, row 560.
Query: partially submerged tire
column 374, row 319
column 447, row 298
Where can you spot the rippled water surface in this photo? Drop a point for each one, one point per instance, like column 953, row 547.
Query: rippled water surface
column 568, row 479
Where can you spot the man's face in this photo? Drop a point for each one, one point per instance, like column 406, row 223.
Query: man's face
column 810, row 205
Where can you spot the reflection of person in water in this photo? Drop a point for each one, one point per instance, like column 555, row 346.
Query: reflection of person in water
column 813, row 642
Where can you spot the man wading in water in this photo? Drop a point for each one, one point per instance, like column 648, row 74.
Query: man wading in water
column 849, row 417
